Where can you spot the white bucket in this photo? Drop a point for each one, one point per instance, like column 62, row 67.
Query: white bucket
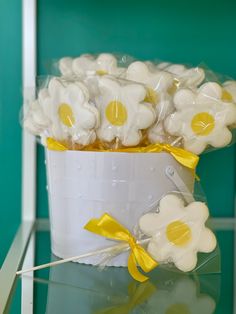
column 84, row 185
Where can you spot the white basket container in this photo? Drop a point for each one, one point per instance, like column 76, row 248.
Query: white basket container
column 84, row 185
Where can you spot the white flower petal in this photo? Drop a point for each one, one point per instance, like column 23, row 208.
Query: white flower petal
column 198, row 211
column 83, row 64
column 106, row 62
column 149, row 224
column 31, row 126
column 171, row 201
column 177, row 69
column 65, row 66
column 183, row 99
column 196, row 146
column 158, row 80
column 163, row 65
column 185, row 262
column 207, row 241
column 209, row 92
column 160, row 253
column 131, row 138
column 136, row 92
column 224, row 138
column 145, row 111
column 192, row 77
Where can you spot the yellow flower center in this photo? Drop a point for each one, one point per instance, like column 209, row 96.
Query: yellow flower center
column 203, row 123
column 172, row 89
column 101, row 72
column 226, row 96
column 178, row 233
column 151, row 96
column 178, row 308
column 116, row 113
column 66, row 115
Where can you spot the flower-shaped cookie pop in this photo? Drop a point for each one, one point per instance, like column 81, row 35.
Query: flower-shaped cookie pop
column 183, row 298
column 72, row 116
column 123, row 112
column 83, row 64
column 157, row 83
column 192, row 77
column 183, row 76
column 178, row 232
column 105, row 63
column 202, row 118
column 77, row 66
column 30, row 119
column 65, row 66
column 36, row 120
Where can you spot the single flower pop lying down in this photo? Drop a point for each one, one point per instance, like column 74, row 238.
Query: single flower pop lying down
column 178, row 232
column 175, row 233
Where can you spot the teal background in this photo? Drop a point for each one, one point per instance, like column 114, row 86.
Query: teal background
column 10, row 130
column 178, row 31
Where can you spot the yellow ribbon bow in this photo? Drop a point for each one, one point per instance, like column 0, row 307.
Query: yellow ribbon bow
column 183, row 156
column 108, row 227
column 138, row 294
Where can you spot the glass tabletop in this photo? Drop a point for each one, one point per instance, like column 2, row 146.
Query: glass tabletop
column 76, row 288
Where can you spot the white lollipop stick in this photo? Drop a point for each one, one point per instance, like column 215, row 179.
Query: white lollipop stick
column 120, row 247
column 176, row 141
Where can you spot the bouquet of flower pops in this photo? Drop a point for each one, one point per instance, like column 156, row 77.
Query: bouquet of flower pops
column 102, row 119
column 98, row 99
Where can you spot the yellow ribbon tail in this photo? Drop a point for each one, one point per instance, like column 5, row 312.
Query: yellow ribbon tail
column 133, row 269
column 138, row 294
column 55, row 145
column 183, row 156
column 144, row 260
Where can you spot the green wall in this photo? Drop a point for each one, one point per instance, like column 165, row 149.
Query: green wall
column 179, row 31
column 10, row 130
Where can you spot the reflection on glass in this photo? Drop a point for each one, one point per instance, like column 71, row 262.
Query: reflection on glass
column 76, row 288
column 182, row 298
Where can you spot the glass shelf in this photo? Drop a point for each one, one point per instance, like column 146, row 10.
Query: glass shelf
column 77, row 288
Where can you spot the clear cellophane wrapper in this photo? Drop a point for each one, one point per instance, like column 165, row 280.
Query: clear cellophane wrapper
column 177, row 233
column 113, row 102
